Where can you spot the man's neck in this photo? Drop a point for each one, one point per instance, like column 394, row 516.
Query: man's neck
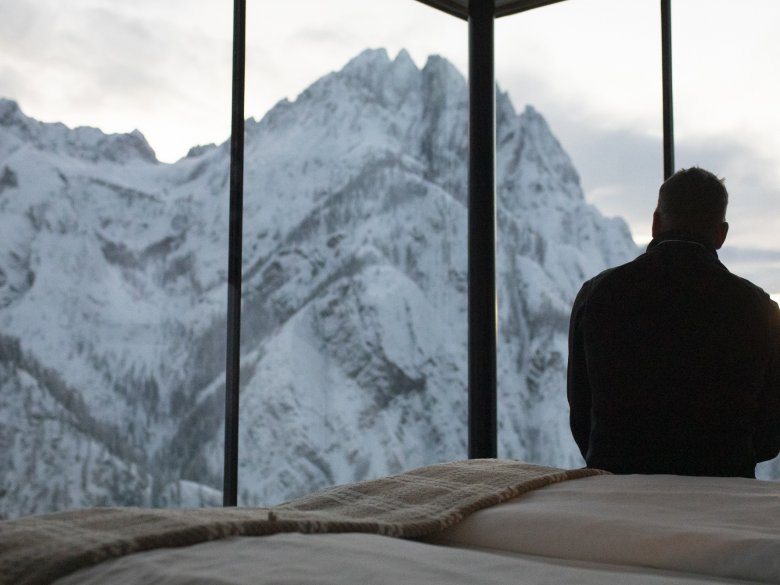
column 683, row 237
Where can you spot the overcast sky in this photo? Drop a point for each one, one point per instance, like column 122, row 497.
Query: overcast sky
column 591, row 67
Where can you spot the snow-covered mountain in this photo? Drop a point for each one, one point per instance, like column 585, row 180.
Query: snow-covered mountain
column 113, row 296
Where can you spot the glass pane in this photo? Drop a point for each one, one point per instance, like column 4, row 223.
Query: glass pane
column 727, row 121
column 113, row 253
column 354, row 317
column 592, row 69
column 579, row 162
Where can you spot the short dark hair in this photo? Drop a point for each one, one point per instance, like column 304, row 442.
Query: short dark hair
column 693, row 200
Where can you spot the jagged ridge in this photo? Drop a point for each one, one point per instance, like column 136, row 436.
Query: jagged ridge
column 354, row 332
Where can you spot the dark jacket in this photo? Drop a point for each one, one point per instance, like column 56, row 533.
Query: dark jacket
column 674, row 366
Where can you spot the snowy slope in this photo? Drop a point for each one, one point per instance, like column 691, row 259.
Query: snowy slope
column 112, row 295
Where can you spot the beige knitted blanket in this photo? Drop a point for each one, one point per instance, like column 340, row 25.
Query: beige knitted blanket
column 39, row 549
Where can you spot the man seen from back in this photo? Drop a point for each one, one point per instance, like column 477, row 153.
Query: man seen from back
column 674, row 362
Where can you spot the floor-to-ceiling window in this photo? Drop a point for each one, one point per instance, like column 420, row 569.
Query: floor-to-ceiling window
column 592, row 70
column 114, row 248
column 113, row 251
column 727, row 121
column 579, row 158
column 353, row 352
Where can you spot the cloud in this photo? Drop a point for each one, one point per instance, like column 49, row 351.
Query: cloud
column 622, row 168
column 20, row 27
column 121, row 67
column 752, row 181
column 164, row 68
column 75, row 50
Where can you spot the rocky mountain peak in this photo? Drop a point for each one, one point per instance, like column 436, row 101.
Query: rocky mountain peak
column 354, row 345
column 83, row 142
column 10, row 114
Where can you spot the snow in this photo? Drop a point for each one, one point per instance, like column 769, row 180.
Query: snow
column 354, row 360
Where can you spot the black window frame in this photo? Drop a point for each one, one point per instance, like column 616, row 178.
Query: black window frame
column 482, row 303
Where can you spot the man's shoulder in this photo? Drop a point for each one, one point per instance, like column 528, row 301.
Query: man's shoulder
column 615, row 272
column 752, row 291
column 593, row 284
column 640, row 272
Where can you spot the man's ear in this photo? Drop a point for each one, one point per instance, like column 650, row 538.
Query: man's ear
column 657, row 228
column 720, row 234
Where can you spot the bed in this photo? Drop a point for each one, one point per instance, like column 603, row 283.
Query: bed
column 476, row 521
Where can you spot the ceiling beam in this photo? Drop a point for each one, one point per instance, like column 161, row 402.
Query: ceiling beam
column 460, row 8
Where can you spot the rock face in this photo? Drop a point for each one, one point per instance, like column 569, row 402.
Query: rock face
column 354, row 364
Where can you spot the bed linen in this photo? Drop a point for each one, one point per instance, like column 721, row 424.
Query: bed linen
column 361, row 559
column 716, row 527
column 37, row 550
column 597, row 529
column 656, row 530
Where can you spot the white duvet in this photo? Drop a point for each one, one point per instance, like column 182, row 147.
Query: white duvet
column 724, row 527
column 596, row 530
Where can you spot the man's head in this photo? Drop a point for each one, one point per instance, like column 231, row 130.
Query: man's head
column 693, row 200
